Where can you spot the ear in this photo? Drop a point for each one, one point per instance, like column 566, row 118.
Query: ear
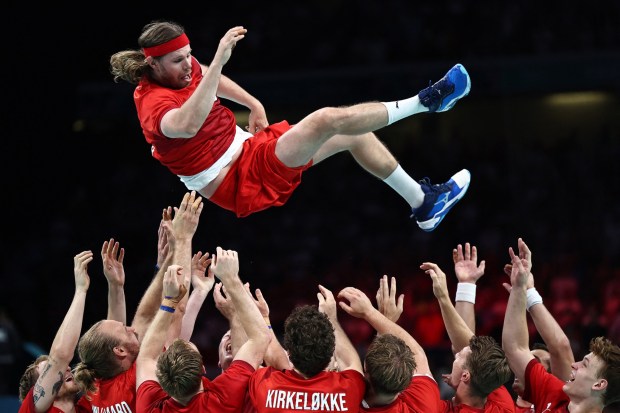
column 600, row 385
column 119, row 351
column 465, row 376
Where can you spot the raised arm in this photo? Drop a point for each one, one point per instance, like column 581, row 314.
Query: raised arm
column 360, row 306
column 179, row 232
column 468, row 272
column 185, row 121
column 184, row 225
column 347, row 356
column 150, row 301
column 202, row 283
column 232, row 91
column 275, row 355
column 515, row 336
column 61, row 353
column 112, row 256
column 155, row 336
column 552, row 334
column 226, row 307
column 226, row 267
column 457, row 329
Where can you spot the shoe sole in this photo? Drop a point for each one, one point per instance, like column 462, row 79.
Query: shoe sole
column 465, row 91
column 430, row 224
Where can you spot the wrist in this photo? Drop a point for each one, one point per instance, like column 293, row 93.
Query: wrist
column 466, row 292
column 533, row 298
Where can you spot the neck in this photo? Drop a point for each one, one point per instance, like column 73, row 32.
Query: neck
column 463, row 396
column 375, row 400
column 585, row 406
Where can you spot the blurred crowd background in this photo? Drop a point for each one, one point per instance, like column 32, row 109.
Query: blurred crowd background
column 540, row 133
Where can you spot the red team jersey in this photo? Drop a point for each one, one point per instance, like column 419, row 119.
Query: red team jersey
column 422, row 396
column 183, row 156
column 274, row 390
column 544, row 389
column 499, row 401
column 115, row 395
column 225, row 394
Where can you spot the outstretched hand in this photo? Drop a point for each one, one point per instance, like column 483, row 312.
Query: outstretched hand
column 359, row 304
column 227, row 44
column 327, row 303
column 386, row 299
column 440, row 286
column 202, row 276
column 112, row 256
column 525, row 258
column 466, row 265
column 80, row 270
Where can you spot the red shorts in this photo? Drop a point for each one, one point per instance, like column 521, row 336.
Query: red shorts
column 258, row 179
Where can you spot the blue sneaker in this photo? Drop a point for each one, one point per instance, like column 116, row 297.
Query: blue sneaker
column 442, row 95
column 439, row 199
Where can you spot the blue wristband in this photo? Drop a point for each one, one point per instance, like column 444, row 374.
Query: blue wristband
column 166, row 308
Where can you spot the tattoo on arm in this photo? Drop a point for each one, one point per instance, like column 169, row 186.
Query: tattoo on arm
column 38, row 392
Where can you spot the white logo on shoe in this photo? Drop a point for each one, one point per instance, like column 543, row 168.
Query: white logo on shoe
column 444, row 199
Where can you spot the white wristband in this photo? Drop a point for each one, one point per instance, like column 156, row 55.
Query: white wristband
column 533, row 298
column 466, row 292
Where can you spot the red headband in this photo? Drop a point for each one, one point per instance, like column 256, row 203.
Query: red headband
column 167, row 47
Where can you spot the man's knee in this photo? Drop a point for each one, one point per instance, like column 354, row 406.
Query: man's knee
column 327, row 121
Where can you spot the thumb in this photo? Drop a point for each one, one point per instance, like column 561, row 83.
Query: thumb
column 507, row 286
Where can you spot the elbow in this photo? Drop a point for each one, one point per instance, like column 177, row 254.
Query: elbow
column 62, row 354
column 563, row 345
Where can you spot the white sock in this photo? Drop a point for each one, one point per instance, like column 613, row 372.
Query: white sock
column 400, row 109
column 406, row 187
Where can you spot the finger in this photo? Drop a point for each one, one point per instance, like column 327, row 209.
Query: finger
column 467, row 251
column 474, row 254
column 393, row 289
column 507, row 286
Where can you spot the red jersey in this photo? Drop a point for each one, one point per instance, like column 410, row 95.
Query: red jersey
column 544, row 389
column 222, row 395
column 183, row 156
column 117, row 394
column 499, row 401
column 422, row 396
column 274, row 390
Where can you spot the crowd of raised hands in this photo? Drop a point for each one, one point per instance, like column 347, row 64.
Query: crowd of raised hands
column 151, row 364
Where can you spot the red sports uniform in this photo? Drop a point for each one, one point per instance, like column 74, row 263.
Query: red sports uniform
column 225, row 394
column 286, row 391
column 499, row 401
column 422, row 396
column 544, row 389
column 117, row 394
column 256, row 181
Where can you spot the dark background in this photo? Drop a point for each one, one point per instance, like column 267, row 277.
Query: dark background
column 539, row 132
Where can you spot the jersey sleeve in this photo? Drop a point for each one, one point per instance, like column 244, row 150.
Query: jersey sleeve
column 230, row 387
column 422, row 395
column 150, row 397
column 541, row 387
column 502, row 398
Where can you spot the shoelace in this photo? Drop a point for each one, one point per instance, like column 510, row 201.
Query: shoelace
column 434, row 187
